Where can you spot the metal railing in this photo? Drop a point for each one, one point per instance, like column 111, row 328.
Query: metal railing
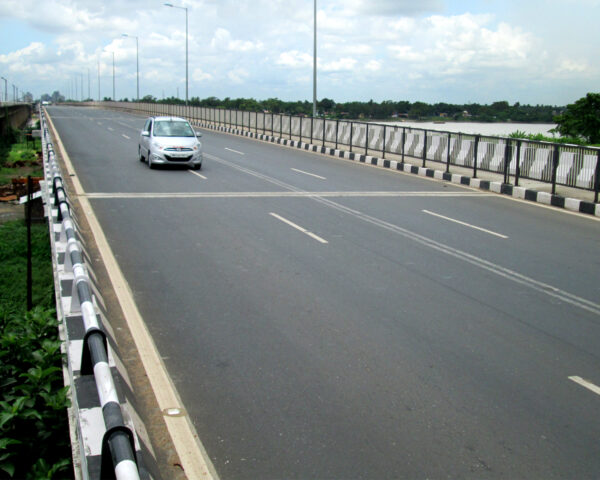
column 118, row 448
column 554, row 163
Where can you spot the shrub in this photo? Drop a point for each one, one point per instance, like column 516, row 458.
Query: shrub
column 34, row 438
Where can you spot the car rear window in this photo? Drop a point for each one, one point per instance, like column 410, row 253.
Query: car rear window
column 168, row 128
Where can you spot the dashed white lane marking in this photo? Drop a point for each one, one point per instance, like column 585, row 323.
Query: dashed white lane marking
column 198, row 175
column 464, row 224
column 234, row 151
column 584, row 383
column 311, row 174
column 125, row 136
column 299, row 228
column 111, row 129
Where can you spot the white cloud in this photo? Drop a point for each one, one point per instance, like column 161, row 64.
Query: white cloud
column 198, row 75
column 222, row 41
column 373, row 65
column 294, row 59
column 394, row 48
column 237, row 76
column 343, row 64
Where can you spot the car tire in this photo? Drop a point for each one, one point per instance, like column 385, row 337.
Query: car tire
column 197, row 167
column 150, row 164
column 140, row 157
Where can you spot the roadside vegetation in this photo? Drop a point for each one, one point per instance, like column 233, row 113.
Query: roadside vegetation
column 34, row 435
column 19, row 155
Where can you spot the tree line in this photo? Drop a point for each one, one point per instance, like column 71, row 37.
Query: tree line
column 496, row 112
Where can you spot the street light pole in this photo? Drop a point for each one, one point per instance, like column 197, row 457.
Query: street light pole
column 186, row 47
column 315, row 62
column 98, row 78
column 114, row 99
column 137, row 62
column 5, row 89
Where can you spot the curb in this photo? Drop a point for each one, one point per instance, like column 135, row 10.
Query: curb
column 573, row 204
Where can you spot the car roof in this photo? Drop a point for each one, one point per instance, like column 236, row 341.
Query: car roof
column 171, row 119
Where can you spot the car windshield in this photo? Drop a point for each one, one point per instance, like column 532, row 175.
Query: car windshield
column 171, row 128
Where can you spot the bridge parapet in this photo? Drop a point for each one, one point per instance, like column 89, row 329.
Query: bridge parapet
column 14, row 115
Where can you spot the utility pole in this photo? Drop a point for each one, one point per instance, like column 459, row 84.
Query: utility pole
column 98, row 78
column 315, row 61
column 114, row 99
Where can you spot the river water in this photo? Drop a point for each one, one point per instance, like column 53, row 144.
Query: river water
column 491, row 129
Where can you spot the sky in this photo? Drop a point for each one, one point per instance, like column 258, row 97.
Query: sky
column 472, row 51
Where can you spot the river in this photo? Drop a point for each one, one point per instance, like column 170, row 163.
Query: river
column 492, row 129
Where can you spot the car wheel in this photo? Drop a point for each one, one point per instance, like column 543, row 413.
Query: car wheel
column 140, row 157
column 197, row 167
column 150, row 164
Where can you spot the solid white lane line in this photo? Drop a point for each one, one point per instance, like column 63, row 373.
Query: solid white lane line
column 234, row 151
column 198, row 175
column 464, row 223
column 584, row 383
column 284, row 194
column 311, row 174
column 125, row 136
column 299, row 228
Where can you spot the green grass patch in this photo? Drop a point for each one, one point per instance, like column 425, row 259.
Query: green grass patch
column 19, row 156
column 34, row 435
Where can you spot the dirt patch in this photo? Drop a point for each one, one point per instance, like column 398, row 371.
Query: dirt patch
column 11, row 211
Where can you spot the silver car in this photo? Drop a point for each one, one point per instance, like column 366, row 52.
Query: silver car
column 170, row 141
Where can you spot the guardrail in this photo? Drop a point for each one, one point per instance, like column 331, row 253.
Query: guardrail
column 118, row 457
column 554, row 163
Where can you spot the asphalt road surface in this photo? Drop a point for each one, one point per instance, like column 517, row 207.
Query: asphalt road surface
column 325, row 319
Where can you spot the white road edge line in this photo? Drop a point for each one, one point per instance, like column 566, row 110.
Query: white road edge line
column 125, row 136
column 198, row 175
column 465, row 224
column 299, row 228
column 584, row 383
column 311, row 174
column 193, row 456
column 234, row 151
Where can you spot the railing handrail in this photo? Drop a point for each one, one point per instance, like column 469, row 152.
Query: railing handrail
column 581, row 175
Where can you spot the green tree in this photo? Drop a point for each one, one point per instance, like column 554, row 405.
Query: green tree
column 581, row 119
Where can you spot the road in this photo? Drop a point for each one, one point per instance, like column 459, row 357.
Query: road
column 322, row 318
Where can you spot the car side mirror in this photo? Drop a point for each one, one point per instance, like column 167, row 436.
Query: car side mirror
column 198, row 134
column 145, row 133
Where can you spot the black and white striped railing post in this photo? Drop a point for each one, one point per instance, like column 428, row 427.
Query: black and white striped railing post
column 118, row 446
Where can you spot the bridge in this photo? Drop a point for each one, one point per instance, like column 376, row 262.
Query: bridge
column 307, row 315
